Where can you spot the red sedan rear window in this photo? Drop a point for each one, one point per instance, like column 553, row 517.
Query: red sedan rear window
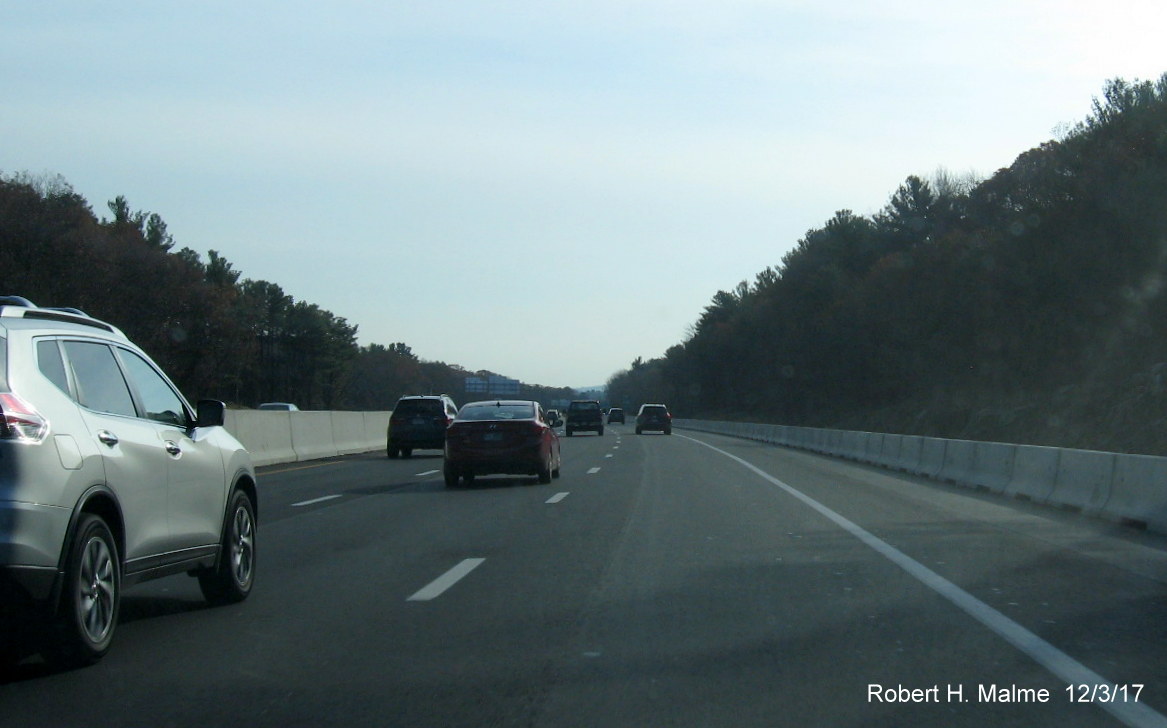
column 521, row 411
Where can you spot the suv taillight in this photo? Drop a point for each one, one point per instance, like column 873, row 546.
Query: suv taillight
column 20, row 421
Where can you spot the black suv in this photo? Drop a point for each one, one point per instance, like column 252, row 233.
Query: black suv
column 584, row 414
column 654, row 417
column 419, row 421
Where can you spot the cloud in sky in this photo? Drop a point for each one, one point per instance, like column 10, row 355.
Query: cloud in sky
column 549, row 189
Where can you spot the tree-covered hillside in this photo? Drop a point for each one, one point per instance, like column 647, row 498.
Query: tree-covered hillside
column 217, row 334
column 1027, row 307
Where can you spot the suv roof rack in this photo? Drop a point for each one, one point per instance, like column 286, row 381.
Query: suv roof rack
column 21, row 307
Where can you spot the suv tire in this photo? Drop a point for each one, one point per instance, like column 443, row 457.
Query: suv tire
column 232, row 578
column 92, row 594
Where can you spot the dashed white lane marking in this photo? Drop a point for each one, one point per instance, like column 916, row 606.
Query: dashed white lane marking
column 314, row 501
column 428, row 472
column 556, row 498
column 1045, row 654
column 608, row 455
column 593, row 471
column 438, row 586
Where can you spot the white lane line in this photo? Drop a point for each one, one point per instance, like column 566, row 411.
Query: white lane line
column 556, row 498
column 1072, row 672
column 593, row 471
column 438, row 586
column 314, row 501
column 428, row 472
column 608, row 455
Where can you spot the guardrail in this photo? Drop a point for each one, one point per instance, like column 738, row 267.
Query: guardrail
column 286, row 437
column 1126, row 488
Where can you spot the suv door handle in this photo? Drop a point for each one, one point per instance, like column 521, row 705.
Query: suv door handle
column 107, row 437
column 173, row 448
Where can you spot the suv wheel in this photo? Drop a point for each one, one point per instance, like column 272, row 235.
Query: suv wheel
column 230, row 581
column 92, row 593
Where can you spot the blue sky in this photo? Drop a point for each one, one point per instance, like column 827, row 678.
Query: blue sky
column 544, row 189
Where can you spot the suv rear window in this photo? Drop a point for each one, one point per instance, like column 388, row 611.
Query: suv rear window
column 584, row 406
column 48, row 359
column 418, row 407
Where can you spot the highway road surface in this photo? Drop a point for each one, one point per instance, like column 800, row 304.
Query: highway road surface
column 683, row 580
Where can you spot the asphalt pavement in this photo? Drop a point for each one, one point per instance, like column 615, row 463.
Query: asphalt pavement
column 682, row 580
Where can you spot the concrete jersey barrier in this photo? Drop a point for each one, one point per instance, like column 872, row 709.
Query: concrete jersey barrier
column 1125, row 488
column 274, row 437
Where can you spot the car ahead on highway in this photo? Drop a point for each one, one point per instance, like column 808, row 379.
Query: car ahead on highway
column 279, row 407
column 655, row 417
column 584, row 414
column 109, row 477
column 501, row 437
column 615, row 415
column 419, row 422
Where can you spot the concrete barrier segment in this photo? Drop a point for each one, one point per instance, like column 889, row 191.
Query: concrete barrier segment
column 1083, row 480
column 1035, row 471
column 267, row 435
column 1139, row 492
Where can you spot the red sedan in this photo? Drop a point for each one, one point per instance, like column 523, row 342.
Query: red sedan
column 501, row 437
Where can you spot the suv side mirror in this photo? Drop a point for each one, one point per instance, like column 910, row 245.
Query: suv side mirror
column 211, row 413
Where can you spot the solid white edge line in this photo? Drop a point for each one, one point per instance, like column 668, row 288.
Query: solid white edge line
column 438, row 586
column 428, row 472
column 1136, row 715
column 314, row 501
column 556, row 498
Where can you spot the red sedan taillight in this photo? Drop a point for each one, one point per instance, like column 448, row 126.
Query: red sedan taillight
column 455, row 435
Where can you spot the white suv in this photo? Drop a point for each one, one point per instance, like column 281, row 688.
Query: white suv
column 108, row 477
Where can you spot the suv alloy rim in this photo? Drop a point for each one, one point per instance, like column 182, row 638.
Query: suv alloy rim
column 96, row 588
column 242, row 545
